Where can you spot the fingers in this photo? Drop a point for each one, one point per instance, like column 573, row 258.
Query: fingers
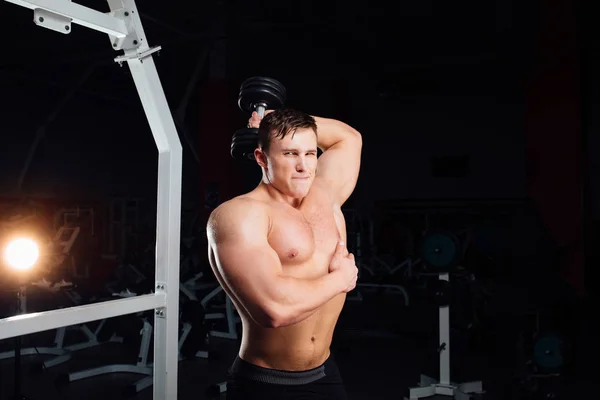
column 340, row 247
column 254, row 120
column 352, row 285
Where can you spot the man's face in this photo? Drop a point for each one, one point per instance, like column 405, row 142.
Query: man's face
column 291, row 162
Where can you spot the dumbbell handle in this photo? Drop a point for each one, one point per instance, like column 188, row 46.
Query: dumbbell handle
column 260, row 109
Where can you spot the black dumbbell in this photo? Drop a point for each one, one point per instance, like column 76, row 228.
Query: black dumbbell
column 256, row 94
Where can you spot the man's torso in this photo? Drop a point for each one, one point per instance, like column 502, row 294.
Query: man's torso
column 305, row 240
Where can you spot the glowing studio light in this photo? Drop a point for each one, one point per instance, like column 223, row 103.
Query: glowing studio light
column 21, row 254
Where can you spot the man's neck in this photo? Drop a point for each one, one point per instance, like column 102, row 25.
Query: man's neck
column 276, row 195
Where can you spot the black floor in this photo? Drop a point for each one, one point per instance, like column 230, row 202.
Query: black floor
column 373, row 367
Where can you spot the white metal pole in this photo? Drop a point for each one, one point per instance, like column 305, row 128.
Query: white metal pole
column 124, row 27
column 168, row 218
column 77, row 14
column 166, row 330
column 445, row 339
column 47, row 320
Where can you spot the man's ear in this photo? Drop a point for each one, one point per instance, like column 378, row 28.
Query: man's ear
column 260, row 157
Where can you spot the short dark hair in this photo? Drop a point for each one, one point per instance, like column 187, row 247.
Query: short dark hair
column 279, row 123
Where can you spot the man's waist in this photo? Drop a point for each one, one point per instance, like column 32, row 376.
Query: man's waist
column 290, row 358
column 242, row 369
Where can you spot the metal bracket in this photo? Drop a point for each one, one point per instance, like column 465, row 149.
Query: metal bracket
column 131, row 41
column 52, row 21
column 160, row 287
column 139, row 55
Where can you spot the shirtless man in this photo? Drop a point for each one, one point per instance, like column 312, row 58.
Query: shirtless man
column 278, row 252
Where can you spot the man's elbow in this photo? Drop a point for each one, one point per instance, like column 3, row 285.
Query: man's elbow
column 356, row 139
column 277, row 317
column 355, row 135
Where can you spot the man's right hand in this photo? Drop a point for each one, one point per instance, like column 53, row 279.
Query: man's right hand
column 344, row 265
column 254, row 121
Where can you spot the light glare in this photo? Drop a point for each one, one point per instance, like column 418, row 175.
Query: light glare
column 22, row 254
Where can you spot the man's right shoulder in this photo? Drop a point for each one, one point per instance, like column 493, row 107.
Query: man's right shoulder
column 239, row 205
column 237, row 214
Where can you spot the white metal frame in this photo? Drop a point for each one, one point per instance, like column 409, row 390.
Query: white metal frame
column 429, row 386
column 125, row 31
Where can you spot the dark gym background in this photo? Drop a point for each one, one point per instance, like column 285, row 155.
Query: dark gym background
column 465, row 105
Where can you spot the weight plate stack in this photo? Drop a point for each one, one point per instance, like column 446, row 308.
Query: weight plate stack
column 261, row 90
column 243, row 144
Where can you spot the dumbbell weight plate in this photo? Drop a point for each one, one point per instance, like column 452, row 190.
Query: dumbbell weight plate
column 260, row 81
column 243, row 143
column 253, row 96
column 261, row 90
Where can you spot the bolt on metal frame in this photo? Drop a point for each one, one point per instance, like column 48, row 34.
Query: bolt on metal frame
column 125, row 32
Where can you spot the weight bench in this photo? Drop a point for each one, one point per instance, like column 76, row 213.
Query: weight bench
column 190, row 287
column 142, row 367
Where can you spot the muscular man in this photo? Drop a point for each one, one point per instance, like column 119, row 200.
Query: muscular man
column 278, row 252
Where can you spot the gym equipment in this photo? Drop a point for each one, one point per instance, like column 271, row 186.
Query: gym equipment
column 214, row 391
column 125, row 276
column 137, row 332
column 371, row 267
column 142, row 367
column 548, row 352
column 214, row 310
column 545, row 369
column 21, row 307
column 232, row 320
column 256, row 94
column 192, row 316
column 429, row 386
column 124, row 28
column 63, row 353
column 548, row 348
column 440, row 291
column 440, row 251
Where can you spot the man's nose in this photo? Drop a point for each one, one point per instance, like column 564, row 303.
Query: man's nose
column 301, row 165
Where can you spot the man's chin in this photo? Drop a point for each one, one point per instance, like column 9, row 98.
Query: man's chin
column 298, row 193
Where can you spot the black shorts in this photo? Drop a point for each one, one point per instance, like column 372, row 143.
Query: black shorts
column 251, row 382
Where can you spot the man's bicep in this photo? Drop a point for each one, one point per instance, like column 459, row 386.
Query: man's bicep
column 339, row 166
column 250, row 271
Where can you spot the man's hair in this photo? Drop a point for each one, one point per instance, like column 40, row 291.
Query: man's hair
column 280, row 123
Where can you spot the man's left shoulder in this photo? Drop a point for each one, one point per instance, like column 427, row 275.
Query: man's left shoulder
column 324, row 190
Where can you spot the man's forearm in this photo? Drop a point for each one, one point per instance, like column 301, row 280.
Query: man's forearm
column 331, row 132
column 298, row 299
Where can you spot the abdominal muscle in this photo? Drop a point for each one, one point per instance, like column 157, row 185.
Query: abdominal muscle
column 304, row 345
column 298, row 347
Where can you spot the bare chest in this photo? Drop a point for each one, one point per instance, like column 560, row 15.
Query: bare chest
column 305, row 238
